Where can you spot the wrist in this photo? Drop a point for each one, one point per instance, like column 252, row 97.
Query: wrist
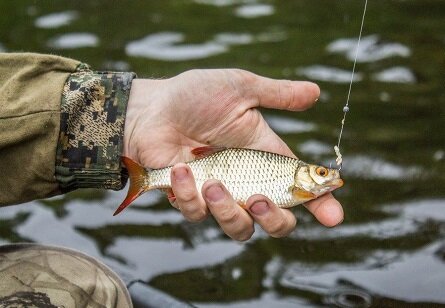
column 143, row 107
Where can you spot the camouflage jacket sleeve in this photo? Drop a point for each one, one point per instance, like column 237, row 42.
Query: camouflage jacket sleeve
column 61, row 126
column 91, row 129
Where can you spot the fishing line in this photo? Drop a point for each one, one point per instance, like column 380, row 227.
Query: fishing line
column 339, row 159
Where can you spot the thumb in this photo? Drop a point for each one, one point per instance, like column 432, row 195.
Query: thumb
column 285, row 94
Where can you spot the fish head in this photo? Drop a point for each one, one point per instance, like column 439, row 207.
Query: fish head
column 312, row 181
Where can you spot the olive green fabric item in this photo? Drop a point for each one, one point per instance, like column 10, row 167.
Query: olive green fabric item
column 50, row 105
column 33, row 275
column 30, row 93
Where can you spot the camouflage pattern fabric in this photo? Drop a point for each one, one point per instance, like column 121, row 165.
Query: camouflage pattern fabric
column 33, row 275
column 91, row 129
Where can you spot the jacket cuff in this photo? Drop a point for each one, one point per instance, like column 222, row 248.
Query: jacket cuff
column 91, row 130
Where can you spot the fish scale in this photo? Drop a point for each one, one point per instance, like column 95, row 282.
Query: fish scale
column 243, row 172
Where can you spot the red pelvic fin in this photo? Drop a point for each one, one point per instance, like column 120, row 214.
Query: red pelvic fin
column 202, row 152
column 137, row 175
column 170, row 195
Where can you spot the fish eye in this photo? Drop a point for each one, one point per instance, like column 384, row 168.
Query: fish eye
column 322, row 171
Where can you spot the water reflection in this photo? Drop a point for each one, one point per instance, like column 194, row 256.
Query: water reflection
column 222, row 3
column 267, row 299
column 234, row 38
column 73, row 41
column 327, row 73
column 367, row 167
column 410, row 218
column 171, row 46
column 254, row 10
column 315, row 148
column 285, row 125
column 394, row 280
column 164, row 46
column 397, row 74
column 150, row 257
column 56, row 20
column 371, row 49
column 271, row 35
column 439, row 155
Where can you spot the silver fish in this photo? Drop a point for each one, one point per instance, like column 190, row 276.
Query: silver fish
column 286, row 181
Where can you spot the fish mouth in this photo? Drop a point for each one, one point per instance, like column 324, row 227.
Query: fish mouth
column 337, row 183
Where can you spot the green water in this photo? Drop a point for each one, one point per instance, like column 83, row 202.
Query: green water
column 389, row 251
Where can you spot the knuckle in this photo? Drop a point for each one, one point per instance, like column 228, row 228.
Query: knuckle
column 195, row 215
column 284, row 97
column 186, row 195
column 278, row 229
column 227, row 216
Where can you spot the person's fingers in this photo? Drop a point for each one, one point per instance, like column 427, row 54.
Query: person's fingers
column 326, row 209
column 275, row 221
column 187, row 198
column 285, row 94
column 231, row 217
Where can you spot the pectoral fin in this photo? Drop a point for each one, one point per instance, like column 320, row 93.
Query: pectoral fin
column 301, row 194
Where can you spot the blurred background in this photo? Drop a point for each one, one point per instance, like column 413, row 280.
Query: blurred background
column 390, row 249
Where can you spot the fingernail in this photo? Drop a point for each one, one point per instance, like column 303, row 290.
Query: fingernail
column 259, row 208
column 180, row 174
column 214, row 193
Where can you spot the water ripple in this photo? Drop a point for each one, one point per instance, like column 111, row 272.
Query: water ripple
column 419, row 210
column 56, row 20
column 267, row 299
column 371, row 49
column 149, row 257
column 327, row 73
column 397, row 74
column 411, row 217
column 74, row 40
column 228, row 38
column 171, row 46
column 314, row 147
column 285, row 125
column 164, row 46
column 367, row 167
column 254, row 10
column 394, row 280
column 221, row 3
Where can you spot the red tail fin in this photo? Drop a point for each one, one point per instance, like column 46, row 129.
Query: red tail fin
column 137, row 177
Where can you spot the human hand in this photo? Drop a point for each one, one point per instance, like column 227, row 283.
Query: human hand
column 168, row 118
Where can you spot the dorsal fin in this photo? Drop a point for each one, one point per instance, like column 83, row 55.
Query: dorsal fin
column 202, row 152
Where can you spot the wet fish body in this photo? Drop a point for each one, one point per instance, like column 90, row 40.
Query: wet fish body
column 284, row 180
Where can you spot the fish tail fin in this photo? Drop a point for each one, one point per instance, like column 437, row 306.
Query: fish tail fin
column 137, row 175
